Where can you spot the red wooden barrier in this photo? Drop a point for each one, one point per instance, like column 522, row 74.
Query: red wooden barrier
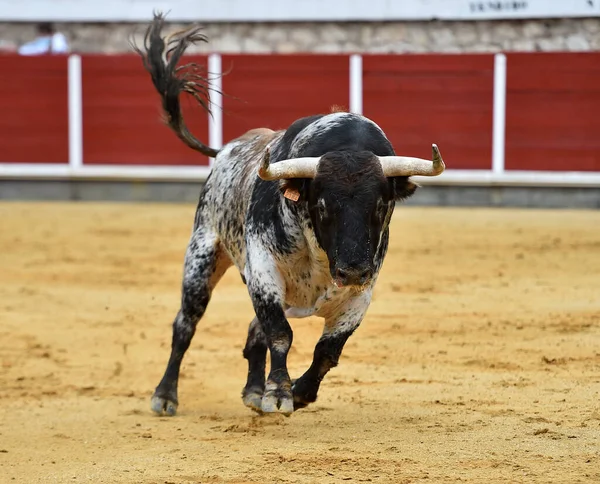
column 422, row 99
column 34, row 121
column 552, row 107
column 122, row 121
column 551, row 118
column 272, row 91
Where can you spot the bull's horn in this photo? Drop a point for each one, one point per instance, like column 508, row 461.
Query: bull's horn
column 407, row 166
column 292, row 168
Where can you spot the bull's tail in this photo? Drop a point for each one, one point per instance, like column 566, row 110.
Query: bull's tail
column 160, row 56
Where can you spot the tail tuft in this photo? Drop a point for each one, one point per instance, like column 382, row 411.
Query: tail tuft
column 160, row 56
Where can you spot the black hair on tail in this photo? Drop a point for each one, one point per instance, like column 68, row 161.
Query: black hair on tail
column 160, row 56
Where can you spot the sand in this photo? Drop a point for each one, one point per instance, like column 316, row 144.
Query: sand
column 478, row 361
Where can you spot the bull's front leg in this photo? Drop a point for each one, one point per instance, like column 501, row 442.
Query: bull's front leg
column 339, row 326
column 267, row 290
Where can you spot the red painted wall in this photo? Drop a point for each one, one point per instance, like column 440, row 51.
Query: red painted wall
column 122, row 120
column 272, row 91
column 552, row 106
column 552, row 111
column 423, row 99
column 34, row 120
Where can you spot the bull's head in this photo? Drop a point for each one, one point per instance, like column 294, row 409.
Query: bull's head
column 350, row 198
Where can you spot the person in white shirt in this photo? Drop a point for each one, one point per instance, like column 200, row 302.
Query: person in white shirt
column 48, row 41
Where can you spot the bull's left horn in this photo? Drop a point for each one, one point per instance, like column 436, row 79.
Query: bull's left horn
column 407, row 166
column 285, row 169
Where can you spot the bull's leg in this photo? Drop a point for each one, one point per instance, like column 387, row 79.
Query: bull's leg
column 205, row 263
column 326, row 356
column 267, row 290
column 338, row 328
column 255, row 352
column 278, row 388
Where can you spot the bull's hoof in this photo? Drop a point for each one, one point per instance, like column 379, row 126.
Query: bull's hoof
column 252, row 398
column 277, row 401
column 304, row 394
column 164, row 404
column 298, row 404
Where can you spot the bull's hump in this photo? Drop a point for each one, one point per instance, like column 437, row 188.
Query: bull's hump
column 332, row 133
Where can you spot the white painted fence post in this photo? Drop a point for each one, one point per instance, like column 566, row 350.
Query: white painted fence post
column 356, row 84
column 75, row 113
column 215, row 120
column 499, row 115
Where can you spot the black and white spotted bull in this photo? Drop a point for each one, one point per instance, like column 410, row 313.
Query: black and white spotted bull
column 302, row 214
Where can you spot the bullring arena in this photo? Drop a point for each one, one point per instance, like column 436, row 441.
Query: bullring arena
column 478, row 361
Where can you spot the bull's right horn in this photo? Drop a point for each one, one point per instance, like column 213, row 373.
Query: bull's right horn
column 408, row 166
column 285, row 169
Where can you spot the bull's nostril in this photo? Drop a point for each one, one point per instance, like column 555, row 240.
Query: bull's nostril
column 341, row 274
column 352, row 275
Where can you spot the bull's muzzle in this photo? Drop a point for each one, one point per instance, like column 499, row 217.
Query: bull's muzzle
column 357, row 275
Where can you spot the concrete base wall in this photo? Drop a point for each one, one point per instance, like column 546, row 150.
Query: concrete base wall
column 573, row 34
column 129, row 191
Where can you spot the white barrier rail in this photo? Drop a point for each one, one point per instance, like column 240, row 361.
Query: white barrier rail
column 55, row 171
column 43, row 171
column 77, row 169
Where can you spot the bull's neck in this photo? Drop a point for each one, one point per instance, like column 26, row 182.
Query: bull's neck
column 299, row 213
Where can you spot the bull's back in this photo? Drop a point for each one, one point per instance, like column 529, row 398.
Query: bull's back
column 229, row 188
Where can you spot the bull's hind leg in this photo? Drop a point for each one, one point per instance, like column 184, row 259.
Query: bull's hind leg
column 338, row 328
column 255, row 352
column 205, row 263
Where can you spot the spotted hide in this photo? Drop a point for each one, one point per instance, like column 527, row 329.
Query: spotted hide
column 306, row 241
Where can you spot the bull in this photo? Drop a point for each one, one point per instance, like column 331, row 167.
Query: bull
column 303, row 214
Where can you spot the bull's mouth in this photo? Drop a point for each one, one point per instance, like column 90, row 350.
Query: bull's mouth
column 337, row 283
column 353, row 288
column 358, row 285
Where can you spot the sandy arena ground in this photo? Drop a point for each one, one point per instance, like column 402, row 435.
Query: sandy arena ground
column 479, row 360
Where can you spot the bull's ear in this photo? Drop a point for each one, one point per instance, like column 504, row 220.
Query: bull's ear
column 295, row 189
column 403, row 188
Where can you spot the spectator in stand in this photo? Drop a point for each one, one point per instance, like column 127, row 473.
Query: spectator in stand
column 48, row 41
